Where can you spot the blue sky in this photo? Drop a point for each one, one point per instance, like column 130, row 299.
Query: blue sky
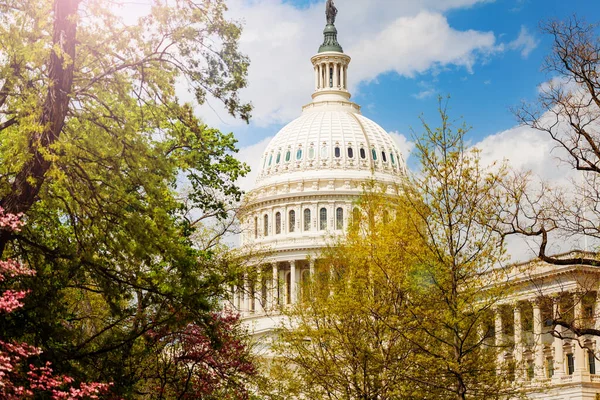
column 489, row 60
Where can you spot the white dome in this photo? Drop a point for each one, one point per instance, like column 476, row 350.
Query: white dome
column 330, row 141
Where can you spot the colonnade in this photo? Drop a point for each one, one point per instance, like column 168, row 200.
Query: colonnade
column 331, row 75
column 533, row 352
column 274, row 285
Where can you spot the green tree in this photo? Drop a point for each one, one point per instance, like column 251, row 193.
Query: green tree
column 94, row 147
column 462, row 272
column 346, row 339
column 404, row 306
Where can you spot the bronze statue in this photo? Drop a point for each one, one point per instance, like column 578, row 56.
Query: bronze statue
column 331, row 12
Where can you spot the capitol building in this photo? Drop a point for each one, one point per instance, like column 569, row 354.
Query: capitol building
column 311, row 175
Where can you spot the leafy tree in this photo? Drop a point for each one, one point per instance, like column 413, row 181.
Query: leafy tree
column 568, row 112
column 346, row 339
column 94, row 147
column 404, row 307
column 18, row 380
column 462, row 271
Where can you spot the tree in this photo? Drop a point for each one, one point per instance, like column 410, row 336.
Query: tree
column 194, row 367
column 404, row 308
column 462, row 272
column 347, row 338
column 94, row 147
column 18, row 380
column 568, row 111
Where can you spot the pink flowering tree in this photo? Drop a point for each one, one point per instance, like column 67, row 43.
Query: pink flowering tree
column 20, row 379
column 204, row 362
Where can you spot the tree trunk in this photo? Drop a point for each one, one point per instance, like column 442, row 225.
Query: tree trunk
column 30, row 178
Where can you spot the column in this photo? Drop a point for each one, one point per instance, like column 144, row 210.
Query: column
column 342, row 77
column 246, row 293
column 518, row 351
column 335, row 75
column 259, row 307
column 537, row 337
column 557, row 344
column 578, row 343
column 316, row 77
column 320, row 76
column 498, row 337
column 312, row 268
column 293, row 285
column 275, row 287
column 346, row 77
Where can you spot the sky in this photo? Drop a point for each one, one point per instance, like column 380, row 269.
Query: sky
column 487, row 55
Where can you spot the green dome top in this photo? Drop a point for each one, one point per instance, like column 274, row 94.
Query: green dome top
column 330, row 43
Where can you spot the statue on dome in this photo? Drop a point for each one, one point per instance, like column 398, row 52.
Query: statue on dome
column 331, row 12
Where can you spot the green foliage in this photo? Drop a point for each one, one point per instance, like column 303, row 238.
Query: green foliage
column 402, row 309
column 95, row 147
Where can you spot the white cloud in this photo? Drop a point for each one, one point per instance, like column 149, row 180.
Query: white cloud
column 525, row 42
column 404, row 145
column 251, row 155
column 403, row 36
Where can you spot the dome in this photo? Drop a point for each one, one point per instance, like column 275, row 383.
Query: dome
column 331, row 141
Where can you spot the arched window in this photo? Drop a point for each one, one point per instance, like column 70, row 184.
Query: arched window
column 355, row 214
column 292, row 221
column 278, row 223
column 288, row 155
column 255, row 227
column 363, row 153
column 393, row 158
column 383, row 156
column 278, row 158
column 323, row 219
column 350, row 152
column 311, row 153
column 324, row 152
column 339, row 218
column 270, row 159
column 374, row 154
column 337, row 152
column 266, row 225
column 307, row 220
column 299, row 154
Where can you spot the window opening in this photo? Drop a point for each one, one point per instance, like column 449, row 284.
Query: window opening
column 288, row 155
column 255, row 227
column 299, row 154
column 307, row 220
column 350, row 152
column 363, row 153
column 339, row 218
column 591, row 362
column 266, row 225
column 330, row 77
column 570, row 364
column 324, row 152
column 311, row 153
column 278, row 223
column 337, row 152
column 323, row 219
column 383, row 156
column 374, row 154
column 278, row 158
column 549, row 367
column 292, row 221
column 270, row 159
column 393, row 158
